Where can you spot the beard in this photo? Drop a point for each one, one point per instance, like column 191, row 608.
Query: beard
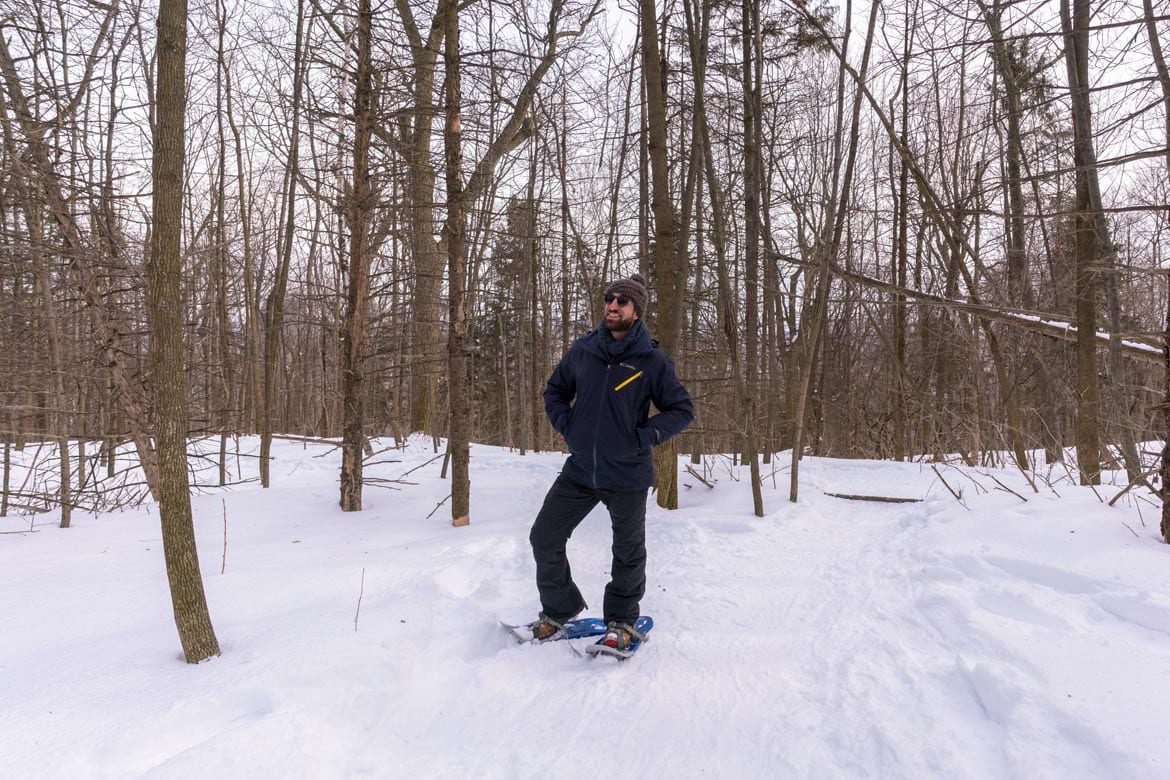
column 620, row 324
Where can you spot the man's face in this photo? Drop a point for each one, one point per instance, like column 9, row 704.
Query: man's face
column 619, row 313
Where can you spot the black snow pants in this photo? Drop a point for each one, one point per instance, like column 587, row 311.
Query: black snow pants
column 565, row 506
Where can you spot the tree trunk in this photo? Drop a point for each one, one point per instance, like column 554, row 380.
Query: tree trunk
column 1094, row 246
column 420, row 197
column 1163, row 81
column 165, row 307
column 899, row 264
column 358, row 288
column 669, row 282
column 6, row 478
column 1019, row 356
column 226, row 421
column 459, row 392
column 59, row 426
column 751, row 191
column 274, row 311
column 250, row 391
column 1087, row 242
column 1008, row 67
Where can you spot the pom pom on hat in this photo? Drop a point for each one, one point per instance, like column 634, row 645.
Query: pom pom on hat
column 633, row 288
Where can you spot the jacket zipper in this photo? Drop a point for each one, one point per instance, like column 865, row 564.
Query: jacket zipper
column 597, row 424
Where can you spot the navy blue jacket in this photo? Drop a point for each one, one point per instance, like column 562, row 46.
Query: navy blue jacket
column 599, row 397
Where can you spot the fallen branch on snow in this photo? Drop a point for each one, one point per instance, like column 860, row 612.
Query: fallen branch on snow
column 695, row 474
column 883, row 499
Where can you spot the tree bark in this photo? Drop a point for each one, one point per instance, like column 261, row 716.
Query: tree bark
column 165, row 305
column 1087, row 241
column 1093, row 239
column 357, row 218
column 459, row 428
column 901, row 253
column 750, row 84
column 670, row 283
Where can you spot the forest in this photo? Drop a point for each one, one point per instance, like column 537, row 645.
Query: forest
column 911, row 230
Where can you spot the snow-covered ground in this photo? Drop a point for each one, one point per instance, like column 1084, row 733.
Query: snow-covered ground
column 1021, row 634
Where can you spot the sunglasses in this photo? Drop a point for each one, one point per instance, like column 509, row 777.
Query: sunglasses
column 622, row 300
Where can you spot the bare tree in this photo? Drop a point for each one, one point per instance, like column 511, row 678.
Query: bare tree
column 1089, row 239
column 1163, row 74
column 454, row 232
column 165, row 267
column 274, row 308
column 828, row 243
column 358, row 207
column 36, row 164
column 670, row 283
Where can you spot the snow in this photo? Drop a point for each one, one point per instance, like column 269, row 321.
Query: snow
column 1001, row 636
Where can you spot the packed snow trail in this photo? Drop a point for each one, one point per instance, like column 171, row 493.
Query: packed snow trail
column 996, row 637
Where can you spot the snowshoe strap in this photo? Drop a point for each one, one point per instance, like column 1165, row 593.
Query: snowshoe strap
column 545, row 628
column 543, row 618
column 629, row 629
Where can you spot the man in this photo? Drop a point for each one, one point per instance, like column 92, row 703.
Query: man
column 598, row 399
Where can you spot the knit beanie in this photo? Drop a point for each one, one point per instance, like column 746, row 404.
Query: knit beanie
column 633, row 288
